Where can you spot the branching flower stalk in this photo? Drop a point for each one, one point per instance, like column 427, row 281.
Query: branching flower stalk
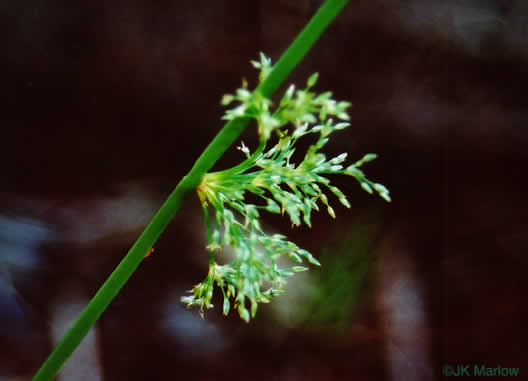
column 283, row 186
column 222, row 141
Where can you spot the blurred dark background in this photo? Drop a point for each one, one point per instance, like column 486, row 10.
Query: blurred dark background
column 106, row 105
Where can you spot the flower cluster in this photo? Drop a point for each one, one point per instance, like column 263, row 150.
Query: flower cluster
column 282, row 185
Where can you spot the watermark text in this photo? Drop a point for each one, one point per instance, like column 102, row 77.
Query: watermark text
column 478, row 370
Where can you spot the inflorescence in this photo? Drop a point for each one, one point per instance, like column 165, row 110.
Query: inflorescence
column 283, row 186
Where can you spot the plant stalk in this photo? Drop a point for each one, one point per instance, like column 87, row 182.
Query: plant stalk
column 223, row 140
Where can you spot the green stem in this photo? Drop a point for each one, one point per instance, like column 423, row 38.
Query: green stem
column 225, row 138
column 245, row 165
column 208, row 232
column 302, row 44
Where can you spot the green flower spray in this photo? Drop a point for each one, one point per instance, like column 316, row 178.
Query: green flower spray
column 283, row 187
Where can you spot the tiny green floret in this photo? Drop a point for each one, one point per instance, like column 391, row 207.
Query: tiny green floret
column 283, row 186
